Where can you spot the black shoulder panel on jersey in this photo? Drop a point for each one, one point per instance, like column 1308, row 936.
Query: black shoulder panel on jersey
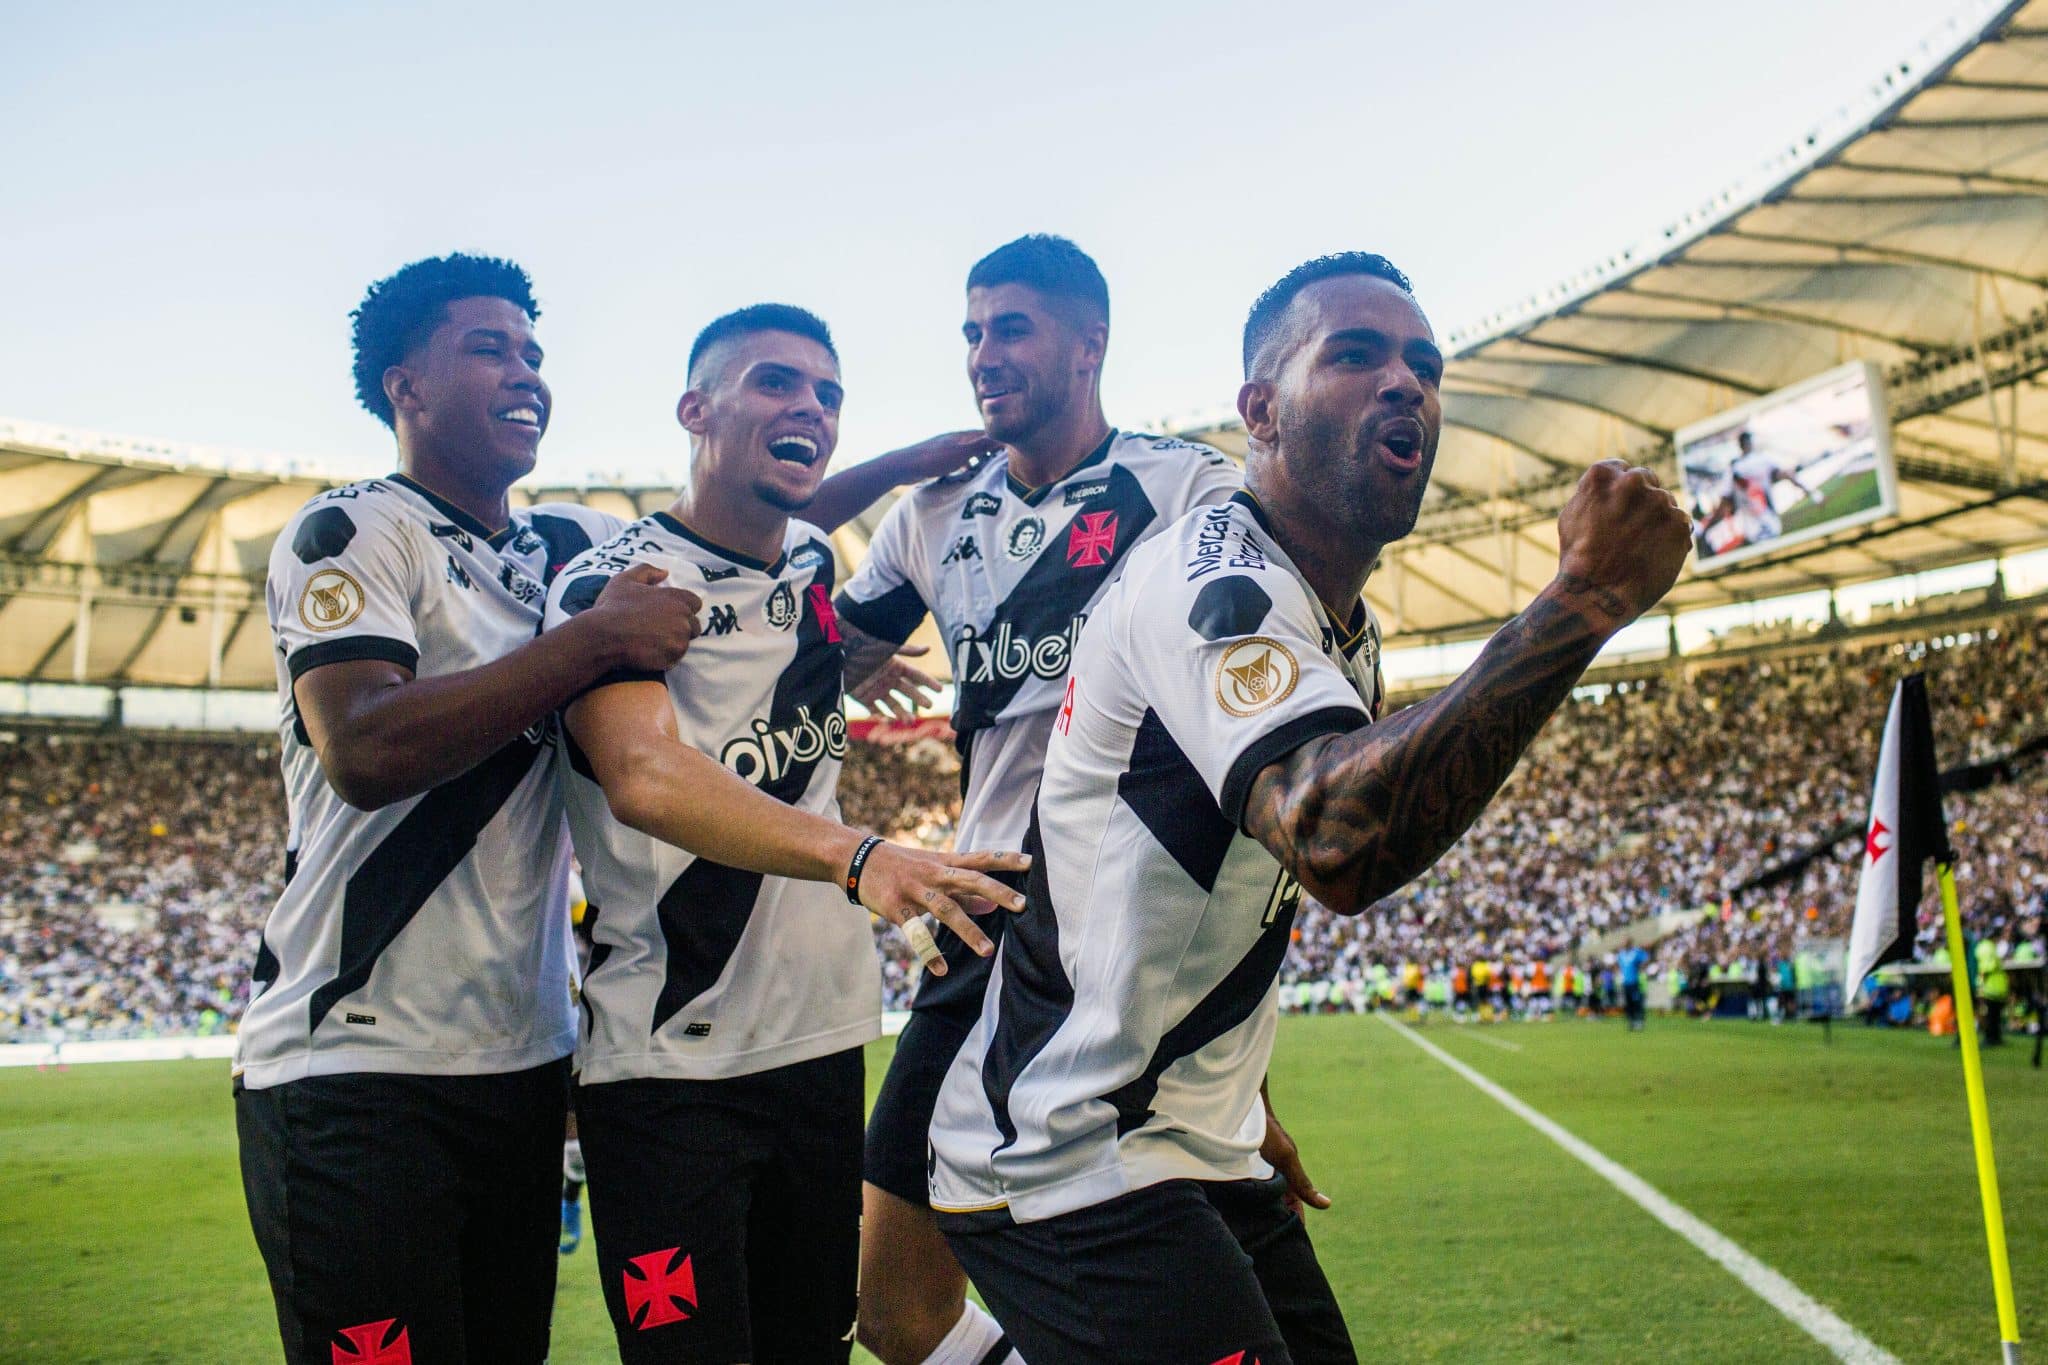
column 1036, row 997
column 324, row 533
column 581, row 594
column 1164, row 790
column 1057, row 587
column 391, row 885
column 702, row 916
column 1226, row 608
column 1218, row 1012
column 892, row 616
column 565, row 540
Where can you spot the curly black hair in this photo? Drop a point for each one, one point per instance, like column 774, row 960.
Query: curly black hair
column 1271, row 306
column 398, row 312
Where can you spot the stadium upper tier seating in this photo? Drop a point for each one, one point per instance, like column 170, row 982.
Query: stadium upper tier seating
column 138, row 868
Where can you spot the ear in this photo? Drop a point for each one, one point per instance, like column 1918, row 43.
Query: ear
column 399, row 390
column 693, row 411
column 1095, row 345
column 1255, row 406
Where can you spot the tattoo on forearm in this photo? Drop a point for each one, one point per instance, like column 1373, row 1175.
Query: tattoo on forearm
column 1357, row 816
column 865, row 654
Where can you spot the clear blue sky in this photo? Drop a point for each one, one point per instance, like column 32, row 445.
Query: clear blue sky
column 197, row 194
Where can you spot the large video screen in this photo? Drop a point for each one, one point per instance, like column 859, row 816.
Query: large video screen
column 1790, row 467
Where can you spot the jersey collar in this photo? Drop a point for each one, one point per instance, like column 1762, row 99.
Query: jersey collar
column 674, row 527
column 1357, row 621
column 1031, row 497
column 497, row 540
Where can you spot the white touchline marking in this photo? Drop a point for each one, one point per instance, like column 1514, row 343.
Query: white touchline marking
column 1489, row 1041
column 1807, row 1314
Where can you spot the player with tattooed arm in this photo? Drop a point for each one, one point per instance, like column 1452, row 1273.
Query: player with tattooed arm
column 1217, row 755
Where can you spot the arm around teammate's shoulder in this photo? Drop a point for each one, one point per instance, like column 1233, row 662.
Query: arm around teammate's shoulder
column 384, row 734
column 1355, row 816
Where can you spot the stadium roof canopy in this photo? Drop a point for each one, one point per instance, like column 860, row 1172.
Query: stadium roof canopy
column 1912, row 233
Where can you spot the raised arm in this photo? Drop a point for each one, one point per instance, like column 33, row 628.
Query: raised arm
column 851, row 491
column 1355, row 816
column 671, row 791
column 384, row 734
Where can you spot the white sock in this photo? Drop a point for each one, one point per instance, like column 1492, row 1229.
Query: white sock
column 572, row 1160
column 977, row 1339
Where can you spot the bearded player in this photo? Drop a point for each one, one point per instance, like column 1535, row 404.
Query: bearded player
column 732, row 981
column 1216, row 757
column 1009, row 556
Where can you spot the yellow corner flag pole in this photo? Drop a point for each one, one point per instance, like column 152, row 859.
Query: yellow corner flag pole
column 1980, row 1117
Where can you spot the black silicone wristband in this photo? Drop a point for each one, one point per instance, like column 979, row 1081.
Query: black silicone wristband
column 860, row 861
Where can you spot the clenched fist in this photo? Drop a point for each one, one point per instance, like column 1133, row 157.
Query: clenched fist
column 646, row 625
column 1622, row 539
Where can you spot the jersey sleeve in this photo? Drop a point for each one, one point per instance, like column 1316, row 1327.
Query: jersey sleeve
column 575, row 588
column 883, row 598
column 344, row 583
column 1237, row 674
column 1214, row 478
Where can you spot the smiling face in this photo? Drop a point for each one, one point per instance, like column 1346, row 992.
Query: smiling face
column 1349, row 407
column 472, row 391
column 765, row 409
column 1029, row 362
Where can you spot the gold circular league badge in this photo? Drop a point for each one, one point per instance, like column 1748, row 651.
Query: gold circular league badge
column 1254, row 674
column 332, row 599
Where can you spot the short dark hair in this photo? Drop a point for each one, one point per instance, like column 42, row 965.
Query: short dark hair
column 1052, row 265
column 761, row 317
column 399, row 312
column 1271, row 306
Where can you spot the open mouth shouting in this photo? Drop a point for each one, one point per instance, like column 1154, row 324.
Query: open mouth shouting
column 794, row 448
column 1399, row 442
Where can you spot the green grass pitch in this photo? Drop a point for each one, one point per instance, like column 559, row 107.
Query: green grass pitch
column 1459, row 1233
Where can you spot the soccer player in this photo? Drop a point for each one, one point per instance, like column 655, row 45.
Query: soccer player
column 1216, row 757
column 1010, row 556
column 1752, row 474
column 731, row 984
column 402, row 1071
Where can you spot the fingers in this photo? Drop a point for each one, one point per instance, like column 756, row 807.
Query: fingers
column 1300, row 1189
column 920, row 940
column 948, row 912
column 962, row 882
column 644, row 573
column 912, row 651
column 989, row 860
column 690, row 599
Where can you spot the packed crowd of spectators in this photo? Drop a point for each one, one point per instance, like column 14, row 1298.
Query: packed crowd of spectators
column 135, row 871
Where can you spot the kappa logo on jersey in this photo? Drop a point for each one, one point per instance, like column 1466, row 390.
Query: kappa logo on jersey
column 780, row 608
column 821, row 607
column 458, row 575
column 1254, row 674
column 1091, row 539
column 981, row 505
column 1081, row 492
column 712, row 575
column 979, row 658
column 667, row 1293
column 367, row 1345
column 722, row 620
column 331, row 600
column 519, row 585
column 770, row 751
column 443, row 531
column 1026, row 538
column 960, row 551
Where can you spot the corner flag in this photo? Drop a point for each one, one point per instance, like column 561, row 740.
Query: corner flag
column 1906, row 829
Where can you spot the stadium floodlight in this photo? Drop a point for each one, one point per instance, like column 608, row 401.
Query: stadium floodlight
column 1791, row 467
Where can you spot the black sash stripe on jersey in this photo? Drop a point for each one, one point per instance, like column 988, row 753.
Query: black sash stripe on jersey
column 409, row 866
column 1048, row 597
column 1169, row 797
column 1036, row 997
column 267, row 966
column 1217, row 1013
column 704, row 912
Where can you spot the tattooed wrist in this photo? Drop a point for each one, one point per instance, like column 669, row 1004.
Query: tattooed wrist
column 1605, row 600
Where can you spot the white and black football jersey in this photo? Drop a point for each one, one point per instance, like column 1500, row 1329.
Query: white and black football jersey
column 430, row 936
column 700, row 971
column 1009, row 574
column 1129, row 1021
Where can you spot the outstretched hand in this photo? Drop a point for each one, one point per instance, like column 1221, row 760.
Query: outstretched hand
column 897, row 690
column 904, row 884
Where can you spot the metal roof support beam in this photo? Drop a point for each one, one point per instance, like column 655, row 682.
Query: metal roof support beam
column 1553, row 461
column 1642, row 362
column 1967, row 179
column 49, row 655
column 1510, row 591
column 54, row 514
column 1769, row 314
column 1881, row 253
column 156, row 623
column 1444, row 588
column 172, row 525
column 1506, row 389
